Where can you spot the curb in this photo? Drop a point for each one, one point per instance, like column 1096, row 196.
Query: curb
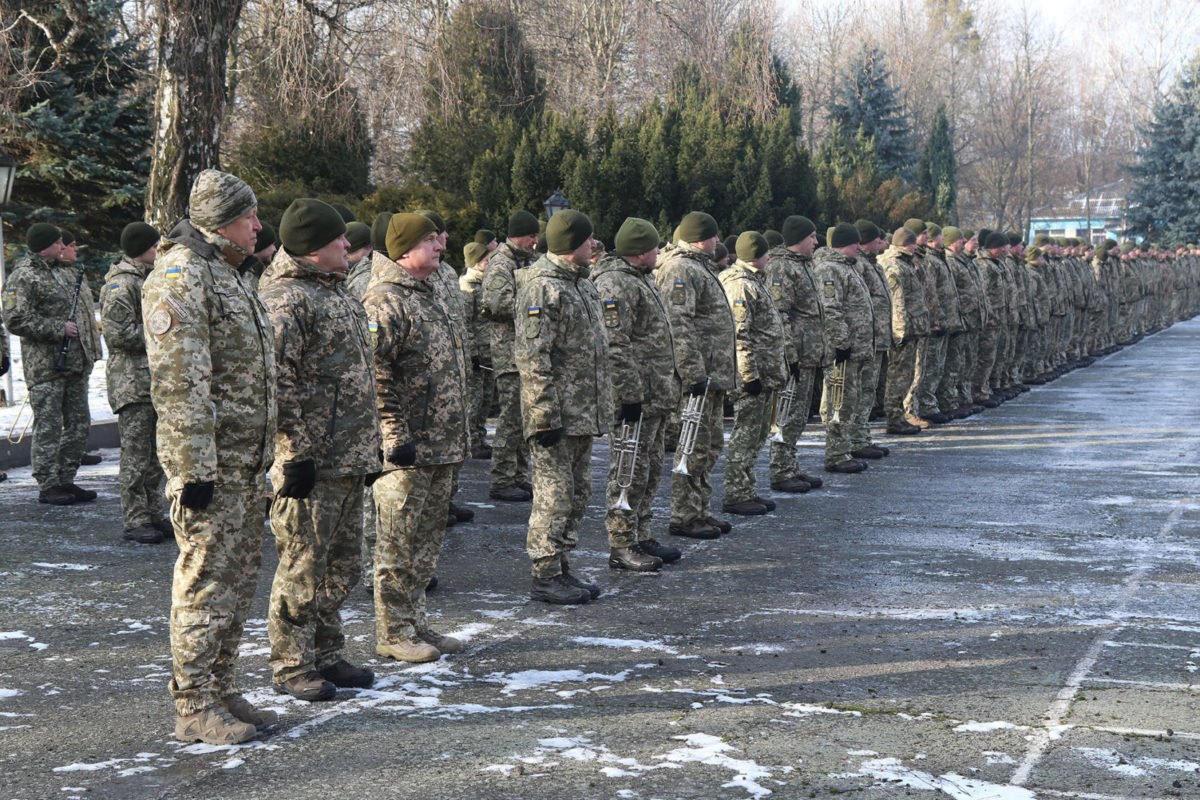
column 102, row 434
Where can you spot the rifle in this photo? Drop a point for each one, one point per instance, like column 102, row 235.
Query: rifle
column 60, row 364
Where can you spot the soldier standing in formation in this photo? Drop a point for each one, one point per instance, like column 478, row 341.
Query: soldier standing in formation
column 871, row 244
column 479, row 335
column 910, row 325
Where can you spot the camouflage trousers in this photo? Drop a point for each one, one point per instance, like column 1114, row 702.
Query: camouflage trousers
column 838, row 406
column 562, row 486
column 783, row 454
column 367, row 553
column 318, row 540
column 61, row 419
column 141, row 477
column 482, row 389
column 1033, row 355
column 220, row 550
column 968, row 358
column 901, row 361
column 947, row 388
column 927, row 375
column 510, row 452
column 410, row 507
column 691, row 494
column 881, row 384
column 627, row 527
column 989, row 343
column 751, row 425
column 868, row 379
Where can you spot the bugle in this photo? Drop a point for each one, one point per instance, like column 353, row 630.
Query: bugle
column 625, row 452
column 690, row 419
column 782, row 413
column 836, row 391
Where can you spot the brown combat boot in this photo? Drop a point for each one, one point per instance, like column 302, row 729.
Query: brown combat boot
column 57, row 496
column 241, row 708
column 444, row 643
column 213, row 725
column 412, row 650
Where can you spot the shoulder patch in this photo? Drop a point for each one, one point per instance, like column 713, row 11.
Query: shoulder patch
column 174, row 273
column 612, row 314
column 160, row 321
column 679, row 292
column 535, row 311
column 740, row 312
column 830, row 289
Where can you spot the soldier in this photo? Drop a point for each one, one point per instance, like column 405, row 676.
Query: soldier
column 921, row 403
column 910, row 324
column 421, row 383
column 479, row 334
column 59, row 344
column 565, row 402
column 798, row 301
column 141, row 477
column 358, row 275
column 962, row 352
column 702, row 332
column 645, row 391
column 265, row 246
column 991, row 277
column 326, row 446
column 871, row 244
column 486, row 238
column 509, row 450
column 212, row 372
column 69, row 257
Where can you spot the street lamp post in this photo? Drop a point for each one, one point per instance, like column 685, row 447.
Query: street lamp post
column 8, row 170
column 555, row 203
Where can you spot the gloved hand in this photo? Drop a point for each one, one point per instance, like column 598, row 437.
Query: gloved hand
column 630, row 412
column 370, row 478
column 753, row 388
column 698, row 388
column 299, row 478
column 794, row 369
column 938, row 333
column 404, row 455
column 841, row 355
column 900, row 342
column 548, row 438
column 197, row 496
column 4, row 365
column 476, row 363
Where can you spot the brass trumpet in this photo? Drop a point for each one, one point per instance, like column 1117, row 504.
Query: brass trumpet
column 625, row 452
column 837, row 392
column 782, row 412
column 18, row 429
column 690, row 419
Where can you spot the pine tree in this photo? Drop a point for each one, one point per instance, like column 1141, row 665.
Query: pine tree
column 1165, row 199
column 869, row 102
column 936, row 176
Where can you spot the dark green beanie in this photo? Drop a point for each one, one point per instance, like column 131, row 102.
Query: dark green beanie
column 522, row 223
column 995, row 240
column 358, row 234
column 951, row 234
column 982, row 236
column 345, row 213
column 473, row 252
column 774, row 238
column 405, row 231
column 903, row 237
column 485, row 237
column 266, row 237
column 796, row 229
column 867, row 231
column 722, row 252
column 308, row 225
column 41, row 235
column 1041, row 240
column 568, row 230
column 433, row 217
column 696, row 226
column 751, row 246
column 933, row 229
column 968, row 234
column 137, row 238
column 843, row 234
column 636, row 236
column 917, row 226
column 379, row 230
column 1014, row 239
column 67, row 236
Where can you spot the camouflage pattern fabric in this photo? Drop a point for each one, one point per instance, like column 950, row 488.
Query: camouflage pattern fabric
column 367, row 552
column 900, row 369
column 128, row 369
column 627, row 527
column 701, row 322
column 482, row 390
column 562, row 487
column 797, row 298
column 928, row 372
column 759, row 343
column 849, row 310
column 141, row 477
column 510, row 451
column 910, row 316
column 318, row 540
column 839, row 433
column 479, row 336
column 499, row 302
column 784, row 464
column 358, row 277
column 691, row 494
column 37, row 307
column 946, row 393
column 751, row 424
column 859, row 427
column 61, row 419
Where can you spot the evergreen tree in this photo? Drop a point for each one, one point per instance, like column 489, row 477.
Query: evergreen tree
column 936, row 176
column 869, row 102
column 1165, row 199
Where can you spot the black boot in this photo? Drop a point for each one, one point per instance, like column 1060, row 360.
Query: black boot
column 632, row 558
column 668, row 554
column 557, row 591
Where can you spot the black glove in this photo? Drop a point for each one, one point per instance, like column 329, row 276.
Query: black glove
column 548, row 438
column 197, row 496
column 794, row 369
column 841, row 354
column 698, row 388
column 938, row 333
column 404, row 456
column 956, row 334
column 4, row 365
column 299, row 478
column 370, row 478
column 630, row 412
column 476, row 363
column 753, row 388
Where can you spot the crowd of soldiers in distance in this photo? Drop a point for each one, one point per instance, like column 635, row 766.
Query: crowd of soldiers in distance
column 353, row 366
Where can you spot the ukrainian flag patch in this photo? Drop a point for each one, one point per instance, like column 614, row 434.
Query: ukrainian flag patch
column 535, row 311
column 174, row 272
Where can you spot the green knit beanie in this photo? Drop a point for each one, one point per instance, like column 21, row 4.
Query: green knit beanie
column 433, row 217
column 522, row 223
column 635, row 237
column 308, row 225
column 983, row 235
column 40, row 236
column 137, row 238
column 751, row 246
column 358, row 234
column 379, row 229
column 405, row 231
column 485, row 237
column 951, row 234
column 1014, row 239
column 67, row 237
column 345, row 213
column 968, row 234
column 266, row 237
column 774, row 238
column 796, row 229
column 995, row 239
column 722, row 252
column 1041, row 240
column 917, row 226
column 473, row 252
column 730, row 241
column 933, row 229
column 843, row 234
column 903, row 237
column 567, row 231
column 696, row 226
column 867, row 231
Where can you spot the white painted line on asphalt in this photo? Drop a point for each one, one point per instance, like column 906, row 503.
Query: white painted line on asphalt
column 1144, row 732
column 1174, row 687
column 1094, row 795
column 1060, row 709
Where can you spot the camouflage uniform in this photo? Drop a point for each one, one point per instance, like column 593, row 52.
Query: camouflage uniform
column 358, row 277
column 509, row 449
column 798, row 302
column 37, row 307
column 479, row 334
column 326, row 414
column 702, row 330
column 910, row 324
column 941, row 298
column 560, row 352
column 991, row 277
column 849, row 325
column 763, row 354
column 421, row 384
column 141, row 476
column 212, row 366
column 641, row 365
column 963, row 355
column 872, row 376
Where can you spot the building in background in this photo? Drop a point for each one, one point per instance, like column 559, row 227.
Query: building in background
column 1102, row 214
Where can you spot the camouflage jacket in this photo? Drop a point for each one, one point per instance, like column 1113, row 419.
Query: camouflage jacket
column 849, row 313
column 1037, row 279
column 761, row 341
column 560, row 351
column 910, row 317
column 701, row 324
column 1017, row 295
column 420, row 375
column 358, row 277
column 37, row 306
column 992, row 278
column 445, row 284
column 212, row 360
column 252, row 272
column 641, row 352
column 479, row 330
column 972, row 300
column 881, row 300
column 323, row 361
column 944, row 314
column 499, row 301
column 128, row 369
column 798, row 301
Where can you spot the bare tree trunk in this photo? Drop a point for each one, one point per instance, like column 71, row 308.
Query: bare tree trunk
column 193, row 46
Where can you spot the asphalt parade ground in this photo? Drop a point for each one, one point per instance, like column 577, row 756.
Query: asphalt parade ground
column 1007, row 607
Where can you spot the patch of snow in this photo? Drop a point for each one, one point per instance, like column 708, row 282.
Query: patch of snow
column 804, row 710
column 503, row 769
column 952, row 784
column 703, row 748
column 625, row 644
column 70, row 567
column 537, row 678
column 988, row 727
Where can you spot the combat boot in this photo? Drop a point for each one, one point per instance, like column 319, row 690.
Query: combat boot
column 347, row 676
column 866, row 452
column 444, row 643
column 57, row 496
column 695, row 529
column 433, row 584
column 902, row 429
column 144, row 534
column 165, row 526
column 917, row 422
column 90, row 459
column 557, row 591
column 770, row 504
column 461, row 514
column 850, row 466
column 511, row 494
column 668, row 554
column 791, row 485
column 745, row 508
column 82, row 495
column 592, row 589
column 241, row 709
column 213, row 725
column 811, row 480
column 887, row 451
column 482, row 453
column 633, row 559
column 721, row 525
column 309, row 686
column 527, row 486
column 411, row 650
column 986, row 402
